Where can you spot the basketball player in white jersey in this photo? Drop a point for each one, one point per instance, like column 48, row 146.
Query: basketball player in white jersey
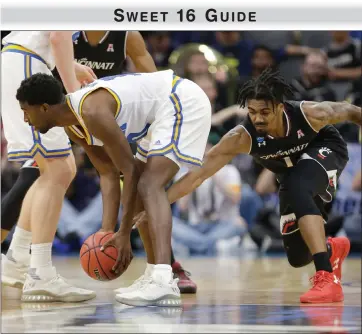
column 25, row 53
column 169, row 118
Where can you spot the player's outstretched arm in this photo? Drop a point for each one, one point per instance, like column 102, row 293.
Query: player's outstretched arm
column 137, row 51
column 235, row 142
column 109, row 181
column 320, row 114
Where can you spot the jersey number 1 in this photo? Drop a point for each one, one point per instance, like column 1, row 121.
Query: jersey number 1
column 288, row 162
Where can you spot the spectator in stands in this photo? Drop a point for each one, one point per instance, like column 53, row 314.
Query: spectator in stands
column 160, row 47
column 213, row 212
column 344, row 57
column 232, row 45
column 262, row 58
column 195, row 65
column 312, row 84
column 208, row 84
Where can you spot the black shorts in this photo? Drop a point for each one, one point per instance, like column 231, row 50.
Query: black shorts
column 333, row 163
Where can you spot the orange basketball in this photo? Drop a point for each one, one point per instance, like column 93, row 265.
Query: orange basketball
column 95, row 263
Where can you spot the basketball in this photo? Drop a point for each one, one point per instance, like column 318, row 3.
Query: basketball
column 98, row 265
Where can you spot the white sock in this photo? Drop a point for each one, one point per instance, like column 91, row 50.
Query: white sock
column 19, row 250
column 162, row 273
column 149, row 269
column 41, row 260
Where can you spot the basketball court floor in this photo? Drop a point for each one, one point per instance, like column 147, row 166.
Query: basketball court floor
column 235, row 295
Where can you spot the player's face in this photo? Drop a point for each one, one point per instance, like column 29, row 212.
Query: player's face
column 263, row 115
column 36, row 116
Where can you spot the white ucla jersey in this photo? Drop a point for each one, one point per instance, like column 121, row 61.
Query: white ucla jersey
column 35, row 41
column 138, row 95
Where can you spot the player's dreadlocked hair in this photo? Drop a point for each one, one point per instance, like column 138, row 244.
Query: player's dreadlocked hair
column 269, row 86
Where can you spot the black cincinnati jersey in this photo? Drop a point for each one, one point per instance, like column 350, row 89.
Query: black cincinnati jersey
column 105, row 59
column 279, row 154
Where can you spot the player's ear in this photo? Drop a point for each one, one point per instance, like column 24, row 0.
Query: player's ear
column 44, row 107
column 280, row 107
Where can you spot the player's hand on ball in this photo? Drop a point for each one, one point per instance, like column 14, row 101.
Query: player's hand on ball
column 122, row 242
column 139, row 219
column 84, row 74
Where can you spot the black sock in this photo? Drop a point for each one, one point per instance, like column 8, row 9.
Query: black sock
column 329, row 250
column 172, row 258
column 11, row 203
column 321, row 262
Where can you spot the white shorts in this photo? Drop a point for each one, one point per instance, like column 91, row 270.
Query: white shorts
column 23, row 142
column 181, row 128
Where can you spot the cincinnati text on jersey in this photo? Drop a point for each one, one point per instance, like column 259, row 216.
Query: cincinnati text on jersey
column 98, row 65
column 287, row 152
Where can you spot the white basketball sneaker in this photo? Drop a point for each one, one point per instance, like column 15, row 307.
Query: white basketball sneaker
column 137, row 284
column 153, row 294
column 12, row 273
column 55, row 289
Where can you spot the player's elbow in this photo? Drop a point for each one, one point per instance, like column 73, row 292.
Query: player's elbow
column 58, row 37
column 354, row 113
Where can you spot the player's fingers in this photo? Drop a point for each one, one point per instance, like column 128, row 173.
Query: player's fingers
column 92, row 73
column 138, row 223
column 107, row 244
column 117, row 264
column 122, row 264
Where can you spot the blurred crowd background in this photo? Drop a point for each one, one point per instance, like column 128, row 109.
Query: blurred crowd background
column 237, row 209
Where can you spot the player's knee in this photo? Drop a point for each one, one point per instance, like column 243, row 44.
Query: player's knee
column 61, row 171
column 147, row 185
column 299, row 193
column 297, row 251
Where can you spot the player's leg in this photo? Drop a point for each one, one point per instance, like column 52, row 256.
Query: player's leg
column 43, row 283
column 20, row 147
column 12, row 201
column 162, row 289
column 179, row 134
column 147, row 243
column 17, row 259
column 41, row 206
column 300, row 186
column 185, row 284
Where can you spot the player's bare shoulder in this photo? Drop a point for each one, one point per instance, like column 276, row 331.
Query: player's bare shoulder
column 98, row 100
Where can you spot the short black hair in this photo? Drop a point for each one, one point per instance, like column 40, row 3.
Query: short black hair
column 264, row 48
column 268, row 86
column 40, row 88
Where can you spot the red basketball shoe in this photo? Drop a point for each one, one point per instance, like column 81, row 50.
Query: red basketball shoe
column 326, row 289
column 185, row 284
column 340, row 248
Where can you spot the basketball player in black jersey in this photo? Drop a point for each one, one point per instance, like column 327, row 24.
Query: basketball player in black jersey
column 296, row 141
column 105, row 52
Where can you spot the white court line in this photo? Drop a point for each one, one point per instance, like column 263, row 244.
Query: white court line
column 194, row 328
